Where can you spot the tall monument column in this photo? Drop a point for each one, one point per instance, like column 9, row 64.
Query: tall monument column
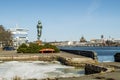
column 39, row 30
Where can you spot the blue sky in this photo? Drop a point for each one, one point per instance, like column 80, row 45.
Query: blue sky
column 63, row 19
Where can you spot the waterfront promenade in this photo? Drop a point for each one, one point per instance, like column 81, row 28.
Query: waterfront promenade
column 14, row 53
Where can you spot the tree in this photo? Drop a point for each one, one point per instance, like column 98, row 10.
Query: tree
column 5, row 36
column 1, row 28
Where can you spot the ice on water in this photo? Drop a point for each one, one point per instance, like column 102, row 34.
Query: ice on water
column 36, row 69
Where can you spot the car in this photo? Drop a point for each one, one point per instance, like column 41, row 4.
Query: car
column 8, row 48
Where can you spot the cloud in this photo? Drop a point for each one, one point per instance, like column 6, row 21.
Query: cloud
column 93, row 6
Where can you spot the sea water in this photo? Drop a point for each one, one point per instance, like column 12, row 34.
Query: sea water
column 104, row 54
column 36, row 70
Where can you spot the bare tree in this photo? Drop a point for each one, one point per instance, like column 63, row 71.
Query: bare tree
column 5, row 36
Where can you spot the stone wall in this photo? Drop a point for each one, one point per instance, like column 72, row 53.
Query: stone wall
column 76, row 62
column 90, row 54
column 92, row 69
column 27, row 58
column 117, row 57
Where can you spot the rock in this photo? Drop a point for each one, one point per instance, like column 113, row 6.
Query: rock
column 117, row 57
column 91, row 69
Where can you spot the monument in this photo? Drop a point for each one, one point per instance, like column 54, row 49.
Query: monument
column 39, row 32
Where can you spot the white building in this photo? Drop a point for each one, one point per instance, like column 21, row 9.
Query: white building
column 20, row 35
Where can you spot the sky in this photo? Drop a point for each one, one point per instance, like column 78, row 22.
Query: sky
column 63, row 20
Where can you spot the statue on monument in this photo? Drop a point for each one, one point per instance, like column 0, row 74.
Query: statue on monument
column 39, row 30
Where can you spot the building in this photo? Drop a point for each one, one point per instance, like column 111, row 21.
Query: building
column 19, row 35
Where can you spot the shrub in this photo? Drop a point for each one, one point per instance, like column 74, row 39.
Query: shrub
column 47, row 45
column 34, row 48
column 22, row 48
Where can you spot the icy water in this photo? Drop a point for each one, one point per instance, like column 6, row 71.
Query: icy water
column 36, row 70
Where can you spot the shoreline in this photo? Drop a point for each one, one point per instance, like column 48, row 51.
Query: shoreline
column 73, row 60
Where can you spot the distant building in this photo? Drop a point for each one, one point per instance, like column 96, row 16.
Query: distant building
column 82, row 39
column 70, row 43
column 116, row 40
column 20, row 35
